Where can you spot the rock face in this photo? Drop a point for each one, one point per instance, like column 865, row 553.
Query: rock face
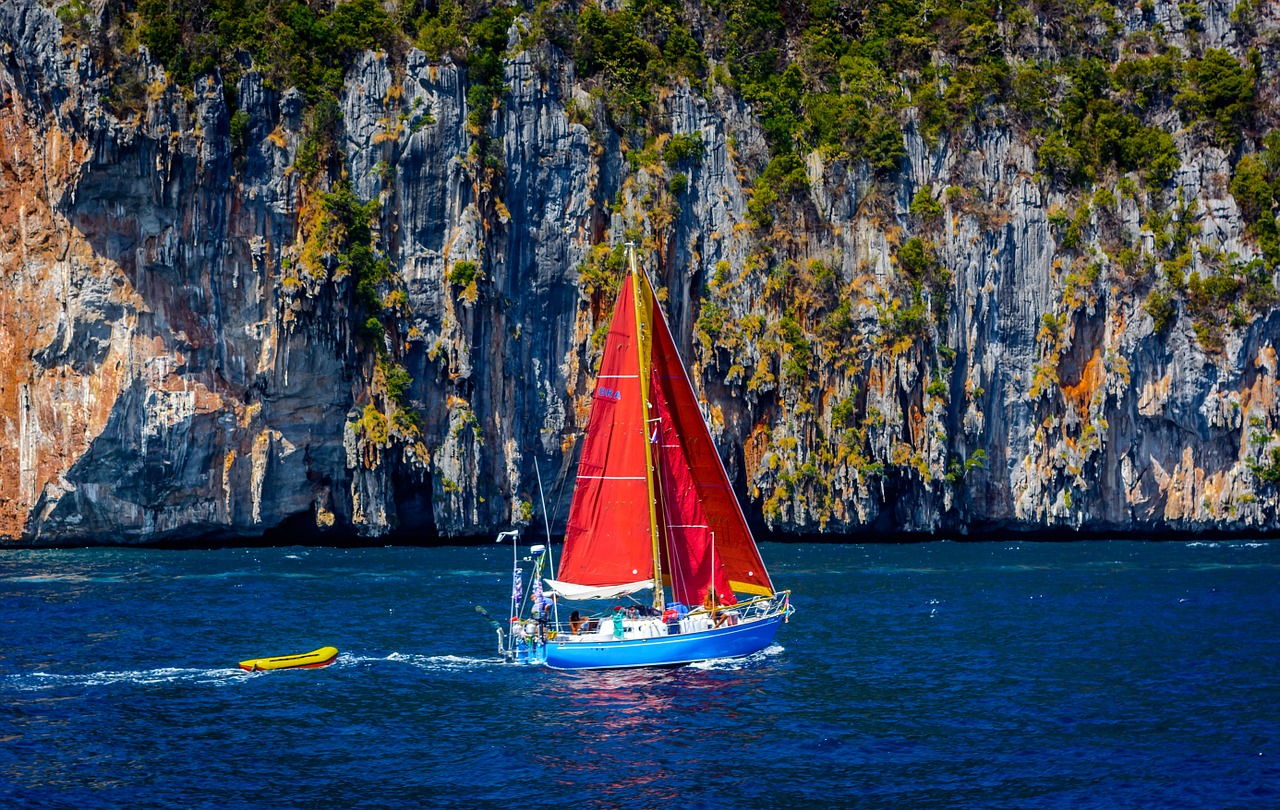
column 170, row 375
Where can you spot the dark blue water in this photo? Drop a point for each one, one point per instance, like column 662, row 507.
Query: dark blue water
column 1100, row 674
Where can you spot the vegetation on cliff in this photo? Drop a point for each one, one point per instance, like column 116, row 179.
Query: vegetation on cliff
column 854, row 374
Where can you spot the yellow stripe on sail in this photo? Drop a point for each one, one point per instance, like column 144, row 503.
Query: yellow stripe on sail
column 749, row 587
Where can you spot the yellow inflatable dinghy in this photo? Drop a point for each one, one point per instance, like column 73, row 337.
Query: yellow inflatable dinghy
column 322, row 657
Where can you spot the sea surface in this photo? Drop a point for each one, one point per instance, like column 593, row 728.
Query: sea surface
column 1019, row 675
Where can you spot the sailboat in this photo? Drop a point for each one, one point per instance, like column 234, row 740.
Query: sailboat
column 653, row 510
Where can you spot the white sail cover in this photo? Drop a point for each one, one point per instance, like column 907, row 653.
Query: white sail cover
column 574, row 592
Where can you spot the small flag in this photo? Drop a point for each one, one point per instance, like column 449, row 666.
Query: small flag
column 539, row 601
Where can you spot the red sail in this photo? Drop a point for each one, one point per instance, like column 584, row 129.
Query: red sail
column 706, row 529
column 607, row 540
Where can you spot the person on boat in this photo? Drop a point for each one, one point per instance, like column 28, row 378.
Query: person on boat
column 618, row 630
column 575, row 622
column 711, row 604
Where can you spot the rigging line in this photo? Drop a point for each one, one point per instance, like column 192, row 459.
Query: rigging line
column 560, row 489
column 676, row 574
column 545, row 522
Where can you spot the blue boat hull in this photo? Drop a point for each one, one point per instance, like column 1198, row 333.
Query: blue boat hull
column 725, row 642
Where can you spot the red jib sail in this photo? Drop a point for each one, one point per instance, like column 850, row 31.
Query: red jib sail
column 707, row 534
column 705, row 540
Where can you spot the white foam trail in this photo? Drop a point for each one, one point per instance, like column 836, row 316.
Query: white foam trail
column 448, row 663
column 436, row 663
column 40, row 579
column 740, row 663
column 37, row 681
column 1216, row 544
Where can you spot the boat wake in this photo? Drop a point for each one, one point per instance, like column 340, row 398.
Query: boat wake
column 432, row 663
column 221, row 676
column 746, row 662
column 1226, row 544
column 41, row 681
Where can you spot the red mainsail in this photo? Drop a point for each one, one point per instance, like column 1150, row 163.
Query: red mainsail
column 607, row 540
column 704, row 535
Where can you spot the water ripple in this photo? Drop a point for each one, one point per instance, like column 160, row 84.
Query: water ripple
column 923, row 675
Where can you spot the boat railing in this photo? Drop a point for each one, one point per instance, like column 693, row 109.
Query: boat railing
column 751, row 610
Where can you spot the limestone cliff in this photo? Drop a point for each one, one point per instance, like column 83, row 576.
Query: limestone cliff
column 184, row 355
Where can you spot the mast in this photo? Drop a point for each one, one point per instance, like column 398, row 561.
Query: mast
column 644, row 346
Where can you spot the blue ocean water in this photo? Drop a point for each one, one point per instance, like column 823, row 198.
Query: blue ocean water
column 1091, row 674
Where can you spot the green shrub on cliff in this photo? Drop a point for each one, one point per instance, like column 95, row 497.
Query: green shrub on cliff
column 463, row 273
column 632, row 51
column 602, row 271
column 783, row 178
column 1219, row 89
column 293, row 42
column 919, row 260
column 1097, row 134
column 485, row 75
column 398, row 382
column 1147, row 82
column 1161, row 306
column 842, row 415
column 1256, row 188
column 372, row 426
column 925, row 207
column 467, row 276
column 338, row 238
column 440, row 31
column 1269, row 473
column 320, row 147
column 76, row 17
column 798, row 352
column 682, row 148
